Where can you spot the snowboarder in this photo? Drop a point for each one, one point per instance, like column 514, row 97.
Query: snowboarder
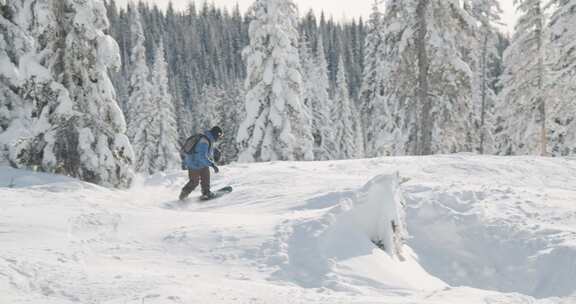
column 198, row 154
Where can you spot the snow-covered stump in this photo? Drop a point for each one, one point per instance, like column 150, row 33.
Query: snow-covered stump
column 379, row 212
column 347, row 233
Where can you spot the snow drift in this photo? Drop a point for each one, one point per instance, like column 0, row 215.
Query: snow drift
column 357, row 239
column 514, row 250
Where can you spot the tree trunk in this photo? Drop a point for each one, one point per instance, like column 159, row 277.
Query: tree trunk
column 540, row 99
column 424, row 139
column 483, row 106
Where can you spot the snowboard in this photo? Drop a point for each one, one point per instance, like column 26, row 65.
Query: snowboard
column 218, row 193
column 182, row 204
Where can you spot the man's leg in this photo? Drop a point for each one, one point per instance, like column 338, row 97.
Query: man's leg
column 194, row 177
column 205, row 180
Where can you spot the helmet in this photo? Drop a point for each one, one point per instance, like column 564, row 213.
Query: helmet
column 216, row 132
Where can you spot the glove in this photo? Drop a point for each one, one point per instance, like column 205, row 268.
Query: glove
column 217, row 155
column 216, row 170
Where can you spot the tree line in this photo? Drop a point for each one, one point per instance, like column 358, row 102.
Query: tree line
column 93, row 90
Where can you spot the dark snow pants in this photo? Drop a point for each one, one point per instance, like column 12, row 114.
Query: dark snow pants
column 201, row 176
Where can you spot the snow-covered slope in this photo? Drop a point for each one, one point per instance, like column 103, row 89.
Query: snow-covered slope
column 482, row 230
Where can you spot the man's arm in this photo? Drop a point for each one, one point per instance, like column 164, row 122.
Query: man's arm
column 203, row 149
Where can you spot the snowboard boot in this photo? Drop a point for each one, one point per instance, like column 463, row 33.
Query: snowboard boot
column 184, row 194
column 208, row 195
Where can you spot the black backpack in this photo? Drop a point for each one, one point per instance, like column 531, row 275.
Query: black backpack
column 190, row 143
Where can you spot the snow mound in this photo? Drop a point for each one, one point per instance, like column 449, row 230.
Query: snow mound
column 356, row 240
column 15, row 178
column 512, row 250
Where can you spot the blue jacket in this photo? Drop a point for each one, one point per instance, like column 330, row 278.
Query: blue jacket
column 202, row 156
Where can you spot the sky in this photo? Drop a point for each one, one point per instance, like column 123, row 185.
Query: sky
column 337, row 8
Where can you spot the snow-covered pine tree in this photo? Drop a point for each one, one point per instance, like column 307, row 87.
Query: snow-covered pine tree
column 485, row 56
column 168, row 155
column 223, row 107
column 390, row 131
column 316, row 98
column 370, row 88
column 184, row 118
column 212, row 97
column 446, row 98
column 522, row 102
column 53, row 122
column 231, row 108
column 343, row 123
column 562, row 100
column 14, row 117
column 105, row 153
column 308, row 66
column 119, row 77
column 276, row 126
column 142, row 116
column 359, row 129
column 33, row 106
column 426, row 86
column 354, row 58
column 322, row 108
column 309, row 28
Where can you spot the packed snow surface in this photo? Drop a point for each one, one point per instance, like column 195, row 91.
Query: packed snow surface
column 481, row 230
